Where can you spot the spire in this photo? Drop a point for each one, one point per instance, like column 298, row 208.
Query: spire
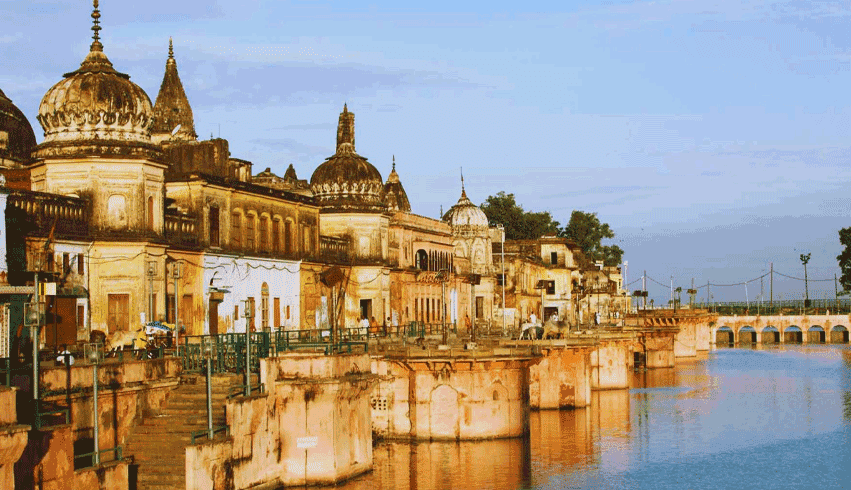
column 96, row 45
column 394, row 163
column 173, row 117
column 463, row 192
column 346, row 131
column 393, row 177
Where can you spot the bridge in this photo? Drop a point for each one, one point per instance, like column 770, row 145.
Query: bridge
column 780, row 329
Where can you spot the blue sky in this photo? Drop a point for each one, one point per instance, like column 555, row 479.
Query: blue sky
column 713, row 136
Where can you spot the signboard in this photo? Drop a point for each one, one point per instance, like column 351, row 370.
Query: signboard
column 307, row 442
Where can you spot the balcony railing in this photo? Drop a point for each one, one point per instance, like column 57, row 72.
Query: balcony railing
column 181, row 229
column 50, row 213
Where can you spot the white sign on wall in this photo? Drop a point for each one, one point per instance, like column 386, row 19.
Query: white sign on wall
column 307, row 442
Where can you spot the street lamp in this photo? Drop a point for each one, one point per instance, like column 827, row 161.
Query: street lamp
column 176, row 270
column 94, row 354
column 207, row 348
column 806, row 258
column 501, row 229
column 248, row 315
column 33, row 318
column 152, row 271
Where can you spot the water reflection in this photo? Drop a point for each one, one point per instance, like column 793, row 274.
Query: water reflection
column 717, row 416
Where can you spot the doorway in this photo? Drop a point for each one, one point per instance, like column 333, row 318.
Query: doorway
column 366, row 308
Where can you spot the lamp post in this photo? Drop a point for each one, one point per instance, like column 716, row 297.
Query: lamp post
column 501, row 229
column 33, row 319
column 176, row 270
column 806, row 258
column 94, row 354
column 207, row 347
column 248, row 314
column 152, row 271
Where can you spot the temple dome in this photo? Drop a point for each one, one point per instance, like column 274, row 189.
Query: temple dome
column 465, row 214
column 17, row 139
column 346, row 180
column 96, row 102
column 173, row 118
column 394, row 194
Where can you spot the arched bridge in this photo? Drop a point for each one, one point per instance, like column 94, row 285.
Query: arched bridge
column 779, row 329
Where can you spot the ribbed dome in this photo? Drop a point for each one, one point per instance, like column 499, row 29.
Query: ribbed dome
column 96, row 102
column 394, row 194
column 465, row 214
column 172, row 113
column 17, row 139
column 346, row 180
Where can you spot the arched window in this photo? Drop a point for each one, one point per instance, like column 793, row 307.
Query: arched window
column 150, row 212
column 421, row 260
column 214, row 226
column 264, row 305
column 236, row 231
column 264, row 234
column 249, row 232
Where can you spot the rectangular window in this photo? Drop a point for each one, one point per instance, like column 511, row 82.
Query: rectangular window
column 253, row 310
column 276, row 236
column 480, row 307
column 551, row 287
column 235, row 312
column 288, row 312
column 214, row 226
column 236, row 231
column 249, row 233
column 288, row 244
column 50, row 262
column 264, row 234
column 66, row 263
column 184, row 315
column 277, row 305
column 500, row 279
column 264, row 312
column 81, row 316
column 118, row 312
column 554, row 258
column 81, row 267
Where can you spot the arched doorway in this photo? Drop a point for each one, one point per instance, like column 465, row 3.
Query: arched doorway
column 793, row 335
column 444, row 416
column 770, row 335
column 839, row 335
column 724, row 336
column 747, row 335
column 815, row 335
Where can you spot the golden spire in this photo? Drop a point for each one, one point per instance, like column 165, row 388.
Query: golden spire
column 463, row 192
column 170, row 48
column 394, row 163
column 96, row 45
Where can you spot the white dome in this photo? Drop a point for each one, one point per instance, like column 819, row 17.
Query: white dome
column 466, row 214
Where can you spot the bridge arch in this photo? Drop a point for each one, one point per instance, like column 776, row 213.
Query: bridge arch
column 839, row 335
column 724, row 336
column 815, row 334
column 770, row 335
column 746, row 335
column 792, row 335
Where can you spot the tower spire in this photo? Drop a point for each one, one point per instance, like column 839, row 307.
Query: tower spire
column 394, row 163
column 463, row 191
column 96, row 45
column 170, row 48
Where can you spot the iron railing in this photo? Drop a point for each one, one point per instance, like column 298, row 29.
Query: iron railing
column 117, row 455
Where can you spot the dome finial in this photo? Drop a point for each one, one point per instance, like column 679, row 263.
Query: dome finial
column 96, row 45
column 463, row 192
column 346, row 131
column 394, row 163
column 170, row 49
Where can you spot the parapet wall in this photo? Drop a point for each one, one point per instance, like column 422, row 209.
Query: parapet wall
column 310, row 427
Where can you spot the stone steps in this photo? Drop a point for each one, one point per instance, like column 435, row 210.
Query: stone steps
column 159, row 442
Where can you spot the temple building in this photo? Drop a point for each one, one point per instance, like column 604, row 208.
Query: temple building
column 135, row 219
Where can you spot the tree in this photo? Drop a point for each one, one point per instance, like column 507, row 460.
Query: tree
column 844, row 260
column 588, row 232
column 519, row 224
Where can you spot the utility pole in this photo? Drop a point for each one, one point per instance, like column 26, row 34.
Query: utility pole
column 176, row 274
column 672, row 290
column 771, row 285
column 836, row 292
column 644, row 289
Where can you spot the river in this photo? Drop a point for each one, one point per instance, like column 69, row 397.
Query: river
column 773, row 417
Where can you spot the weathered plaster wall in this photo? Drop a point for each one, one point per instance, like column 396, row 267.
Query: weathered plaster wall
column 13, row 437
column 610, row 365
column 561, row 379
column 460, row 399
column 311, row 427
column 685, row 341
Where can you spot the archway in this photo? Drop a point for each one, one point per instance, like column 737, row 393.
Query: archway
column 444, row 413
column 747, row 335
column 770, row 335
column 839, row 335
column 724, row 336
column 793, row 335
column 815, row 335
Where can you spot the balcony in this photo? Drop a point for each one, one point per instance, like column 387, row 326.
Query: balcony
column 42, row 214
column 181, row 230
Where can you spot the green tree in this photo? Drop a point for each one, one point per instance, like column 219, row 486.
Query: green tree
column 844, row 260
column 588, row 232
column 519, row 224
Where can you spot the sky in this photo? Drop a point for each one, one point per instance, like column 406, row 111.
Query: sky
column 712, row 136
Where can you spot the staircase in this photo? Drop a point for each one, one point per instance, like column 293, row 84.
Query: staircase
column 158, row 443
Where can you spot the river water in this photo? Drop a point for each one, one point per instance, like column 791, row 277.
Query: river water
column 774, row 417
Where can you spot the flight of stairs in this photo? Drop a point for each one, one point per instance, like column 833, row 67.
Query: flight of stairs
column 158, row 443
